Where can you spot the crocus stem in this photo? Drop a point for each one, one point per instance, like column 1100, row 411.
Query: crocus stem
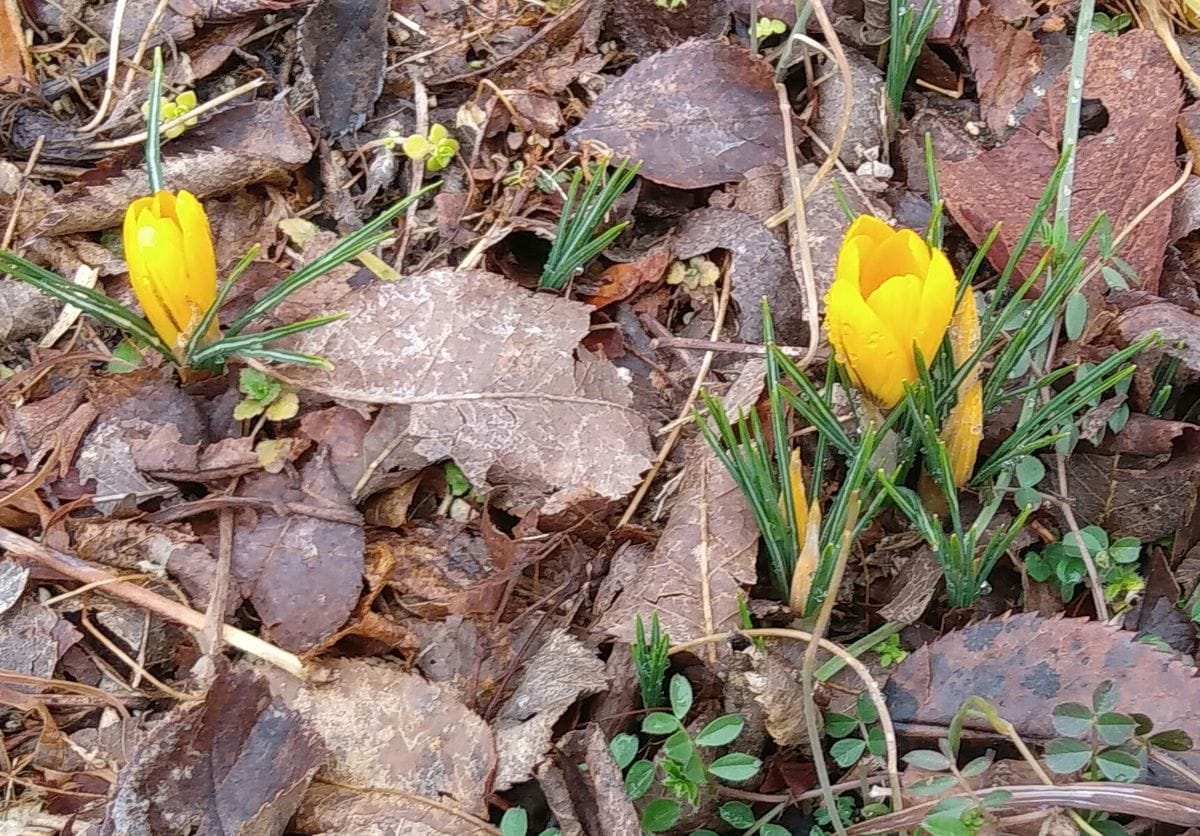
column 153, row 121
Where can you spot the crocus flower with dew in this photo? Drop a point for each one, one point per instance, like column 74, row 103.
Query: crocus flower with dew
column 172, row 267
column 892, row 295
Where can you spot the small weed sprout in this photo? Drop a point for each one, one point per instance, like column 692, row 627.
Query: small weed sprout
column 856, row 734
column 266, row 396
column 682, row 766
column 515, row 822
column 1061, row 565
column 650, row 660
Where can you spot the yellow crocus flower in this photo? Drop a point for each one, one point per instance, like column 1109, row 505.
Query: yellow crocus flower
column 891, row 295
column 172, row 267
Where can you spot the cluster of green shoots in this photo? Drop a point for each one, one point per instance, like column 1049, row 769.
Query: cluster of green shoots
column 882, row 460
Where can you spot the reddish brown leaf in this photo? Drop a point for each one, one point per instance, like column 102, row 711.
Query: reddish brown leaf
column 620, row 281
column 1005, row 61
column 1025, row 665
column 1132, row 497
column 1136, row 81
column 235, row 763
column 302, row 571
column 646, row 28
column 699, row 114
column 1179, row 329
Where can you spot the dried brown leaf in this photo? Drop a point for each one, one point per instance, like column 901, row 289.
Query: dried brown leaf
column 343, row 46
column 561, row 672
column 419, row 759
column 1136, row 81
column 705, row 555
column 236, row 763
column 253, row 143
column 1005, row 61
column 646, row 28
column 487, row 376
column 696, row 115
column 302, row 572
column 1128, row 498
column 1025, row 665
column 32, row 638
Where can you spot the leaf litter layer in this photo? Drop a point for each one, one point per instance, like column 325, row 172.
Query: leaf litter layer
column 400, row 596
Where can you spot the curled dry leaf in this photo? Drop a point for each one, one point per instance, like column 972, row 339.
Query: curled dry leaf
column 487, row 375
column 592, row 801
column 705, row 556
column 561, row 672
column 1005, row 61
column 1025, row 665
column 32, row 638
column 700, row 114
column 419, row 759
column 236, row 763
column 760, row 268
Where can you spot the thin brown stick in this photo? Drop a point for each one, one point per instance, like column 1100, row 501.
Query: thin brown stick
column 79, row 570
column 11, row 228
column 806, row 277
column 835, row 46
column 669, row 444
column 110, row 79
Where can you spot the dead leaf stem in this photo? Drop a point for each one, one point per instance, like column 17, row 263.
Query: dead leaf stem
column 110, row 78
column 835, row 46
column 73, row 567
column 681, row 422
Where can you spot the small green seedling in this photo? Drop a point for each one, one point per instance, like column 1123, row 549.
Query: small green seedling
column 957, row 815
column 890, row 652
column 683, row 767
column 650, row 660
column 856, row 734
column 516, row 823
column 1102, row 744
column 1061, row 565
column 437, row 149
column 1111, row 24
column 264, row 396
column 768, row 26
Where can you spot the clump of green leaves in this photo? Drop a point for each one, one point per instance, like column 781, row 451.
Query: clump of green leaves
column 890, row 652
column 856, row 734
column 682, row 766
column 909, row 29
column 264, row 395
column 1111, row 24
column 436, row 150
column 576, row 241
column 650, row 660
column 1103, row 744
column 1061, row 565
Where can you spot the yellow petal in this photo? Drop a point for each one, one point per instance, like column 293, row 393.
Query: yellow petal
column 902, row 253
column 936, row 306
column 201, row 288
column 963, row 432
column 161, row 294
column 870, row 227
column 799, row 500
column 865, row 346
column 895, row 302
column 850, row 259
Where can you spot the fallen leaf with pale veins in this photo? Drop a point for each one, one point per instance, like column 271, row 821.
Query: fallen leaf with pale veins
column 1005, row 61
column 419, row 759
column 561, row 672
column 236, row 763
column 489, row 377
column 705, row 556
column 699, row 114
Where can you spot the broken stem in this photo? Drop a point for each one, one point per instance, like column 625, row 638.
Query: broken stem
column 79, row 570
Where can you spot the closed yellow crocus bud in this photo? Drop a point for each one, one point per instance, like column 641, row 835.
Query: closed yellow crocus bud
column 891, row 296
column 963, row 429
column 172, row 267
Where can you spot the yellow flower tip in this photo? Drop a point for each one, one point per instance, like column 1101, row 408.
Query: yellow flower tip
column 963, row 432
column 172, row 265
column 891, row 296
